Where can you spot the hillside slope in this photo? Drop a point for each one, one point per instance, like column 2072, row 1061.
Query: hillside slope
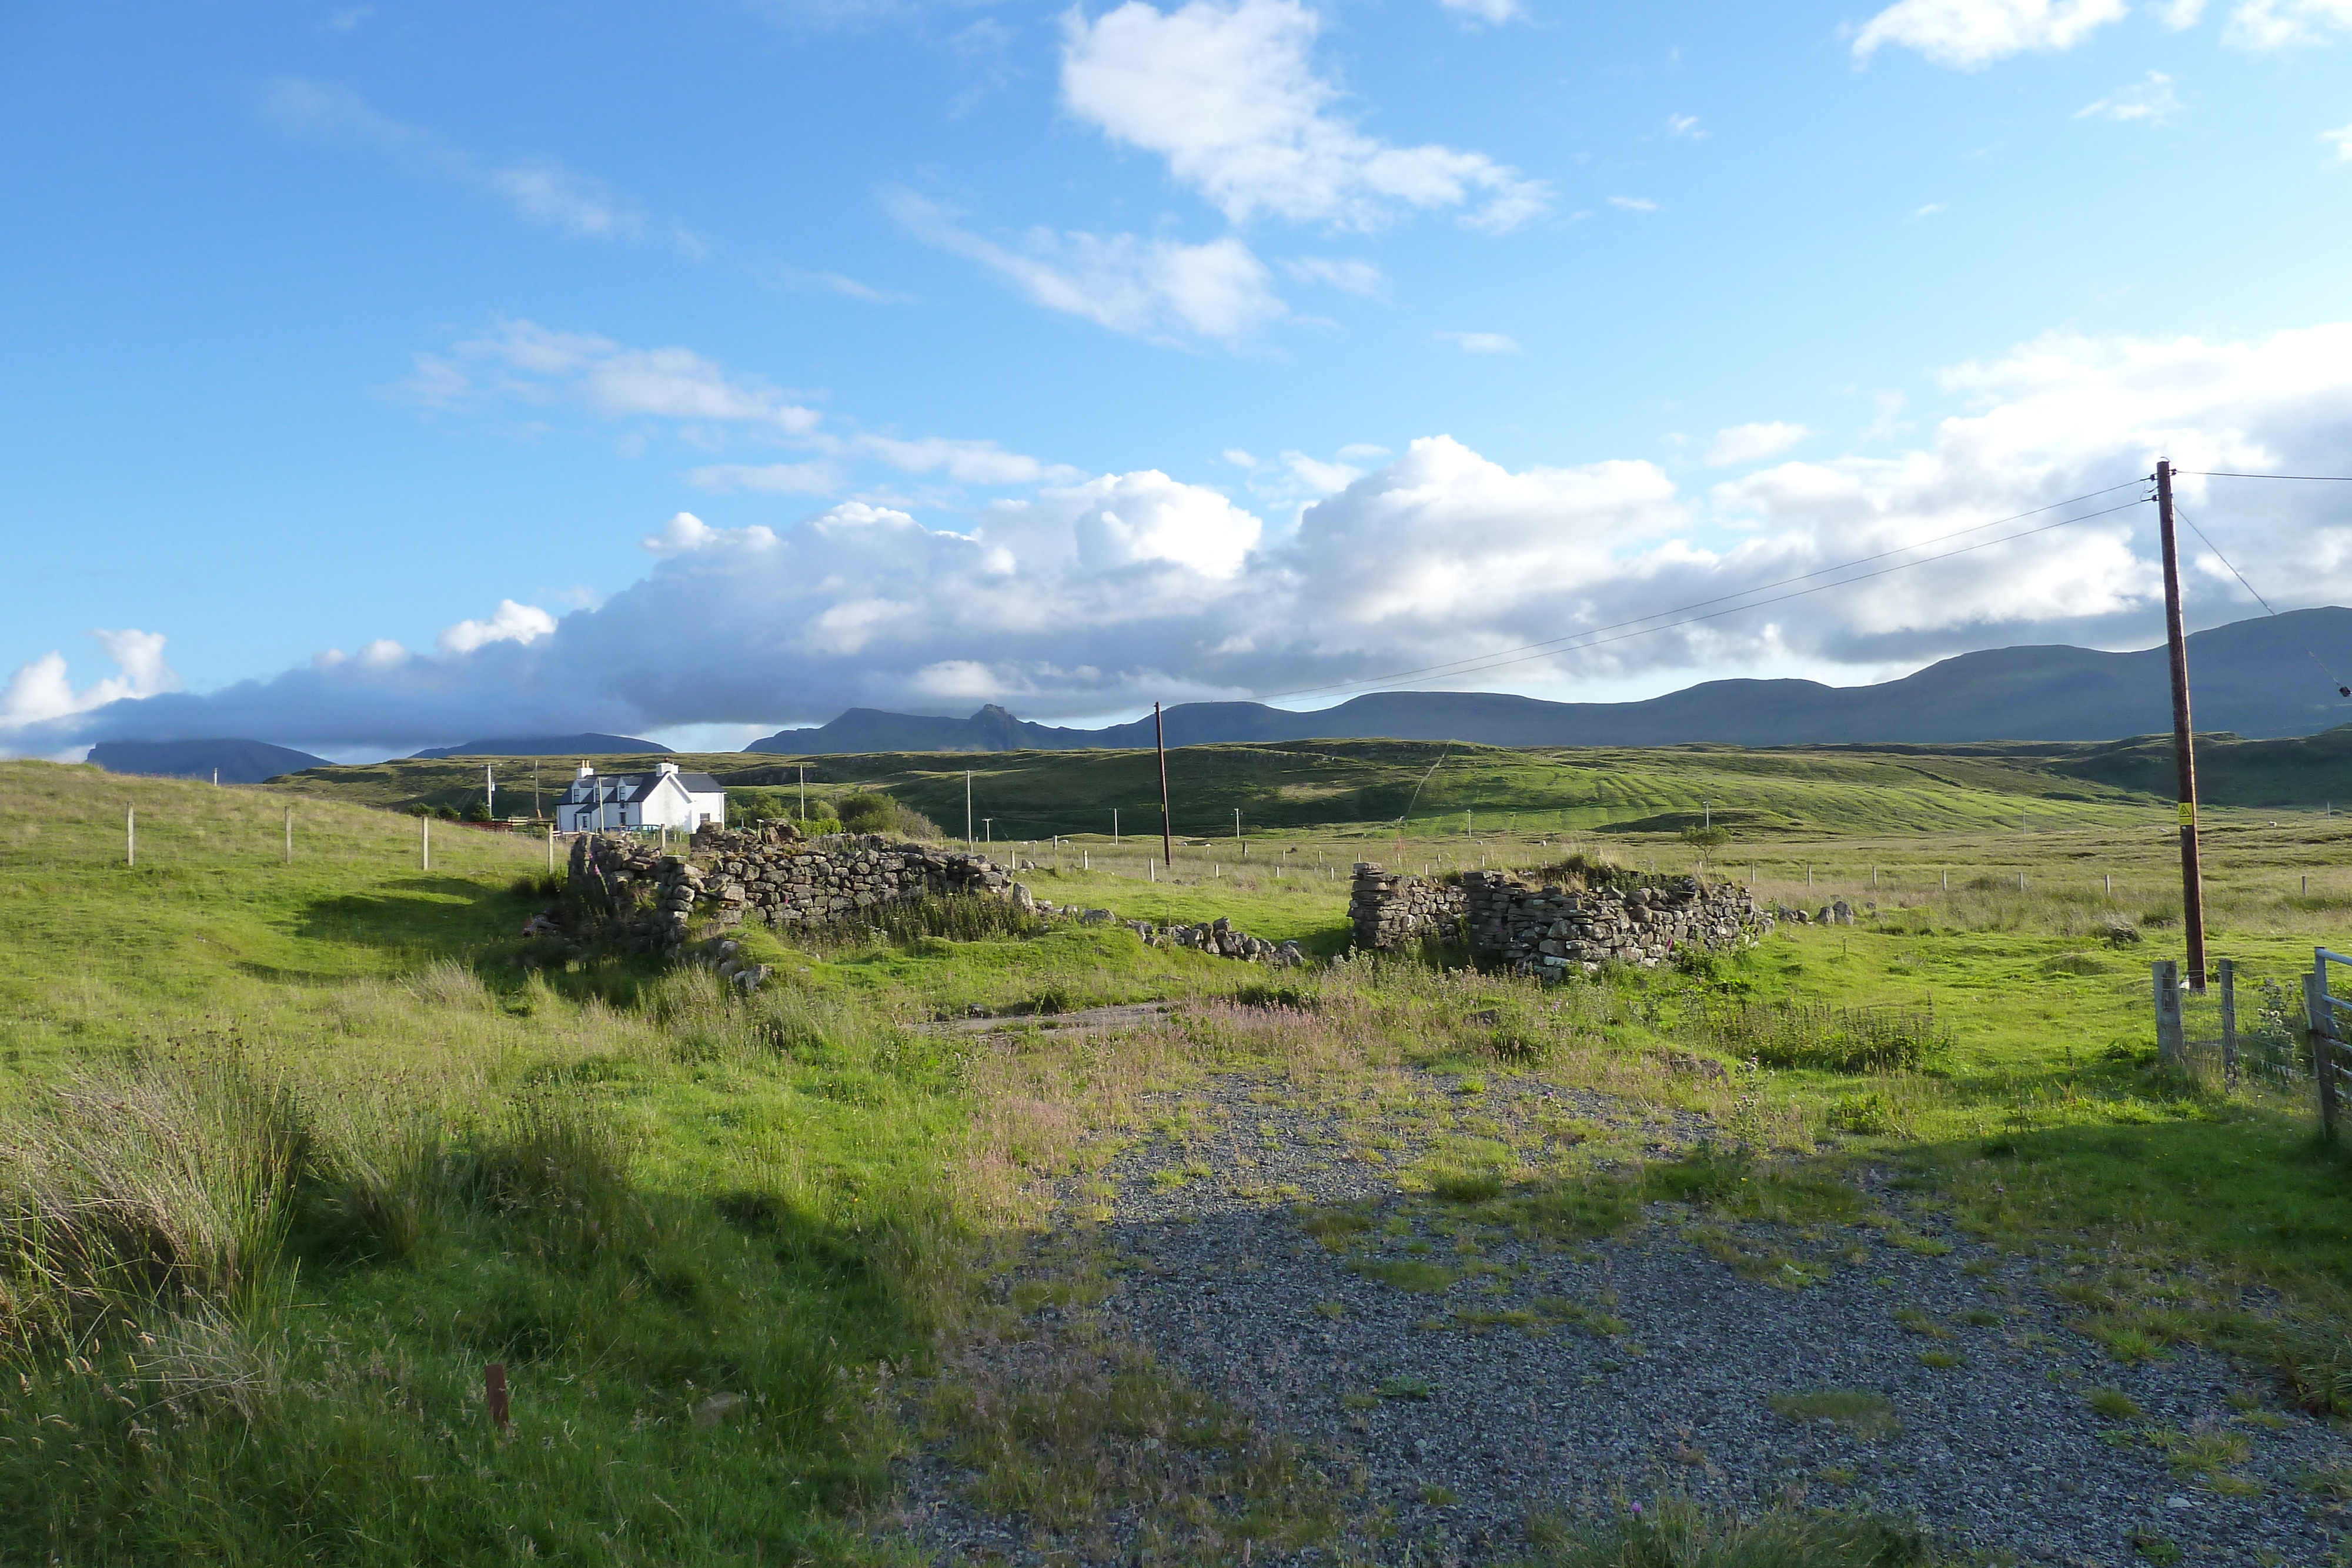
column 2256, row 678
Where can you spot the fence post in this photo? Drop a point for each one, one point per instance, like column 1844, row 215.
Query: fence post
column 2228, row 1024
column 289, row 835
column 2168, row 1011
column 2322, row 1030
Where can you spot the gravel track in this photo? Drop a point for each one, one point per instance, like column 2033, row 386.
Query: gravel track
column 1460, row 1405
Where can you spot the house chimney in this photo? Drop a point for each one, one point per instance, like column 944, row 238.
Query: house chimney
column 587, row 771
column 665, row 768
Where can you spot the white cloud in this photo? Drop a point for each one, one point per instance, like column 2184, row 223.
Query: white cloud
column 2151, row 99
column 1082, row 598
column 2342, row 138
column 538, row 189
column 523, row 362
column 1493, row 13
column 1225, row 90
column 1686, row 125
column 1347, row 275
column 966, row 462
column 1751, row 443
column 348, row 19
column 2181, row 15
column 1479, row 342
column 1929, row 211
column 40, row 691
column 511, row 623
column 1969, row 33
column 816, row 478
column 1321, row 478
column 2284, row 24
column 1633, row 204
column 1157, row 288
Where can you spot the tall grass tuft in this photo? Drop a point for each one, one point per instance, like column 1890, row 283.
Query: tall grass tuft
column 1889, row 1038
column 1675, row 1532
column 168, row 1183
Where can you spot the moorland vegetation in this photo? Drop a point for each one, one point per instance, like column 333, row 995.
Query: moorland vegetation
column 296, row 1145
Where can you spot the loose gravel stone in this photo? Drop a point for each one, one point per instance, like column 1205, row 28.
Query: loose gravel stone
column 1463, row 1404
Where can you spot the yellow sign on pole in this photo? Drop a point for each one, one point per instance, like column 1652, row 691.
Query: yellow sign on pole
column 2188, row 813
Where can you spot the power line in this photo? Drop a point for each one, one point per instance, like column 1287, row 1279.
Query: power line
column 1477, row 660
column 2315, row 478
column 1547, row 650
column 2342, row 689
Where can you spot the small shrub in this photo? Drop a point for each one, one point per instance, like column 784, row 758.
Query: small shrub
column 963, row 918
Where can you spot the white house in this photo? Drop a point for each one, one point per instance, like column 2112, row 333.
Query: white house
column 665, row 797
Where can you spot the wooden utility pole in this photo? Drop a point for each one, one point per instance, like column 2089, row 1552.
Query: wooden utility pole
column 2192, row 883
column 967, row 812
column 1166, row 833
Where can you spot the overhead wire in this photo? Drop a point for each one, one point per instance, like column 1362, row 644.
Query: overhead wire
column 1546, row 650
column 2226, row 473
column 1476, row 663
column 2342, row 689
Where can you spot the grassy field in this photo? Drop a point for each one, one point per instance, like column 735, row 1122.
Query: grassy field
column 293, row 1150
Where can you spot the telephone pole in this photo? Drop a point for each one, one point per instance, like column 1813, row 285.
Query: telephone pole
column 1166, row 833
column 2192, row 886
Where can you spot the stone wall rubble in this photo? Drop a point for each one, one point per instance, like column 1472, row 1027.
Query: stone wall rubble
column 646, row 899
column 1553, row 929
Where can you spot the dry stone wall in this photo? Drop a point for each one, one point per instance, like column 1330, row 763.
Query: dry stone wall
column 1388, row 911
column 1553, row 929
column 648, row 897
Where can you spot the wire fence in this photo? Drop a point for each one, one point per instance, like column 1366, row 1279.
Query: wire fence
column 2254, row 1036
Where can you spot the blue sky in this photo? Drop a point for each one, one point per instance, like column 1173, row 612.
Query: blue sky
column 381, row 373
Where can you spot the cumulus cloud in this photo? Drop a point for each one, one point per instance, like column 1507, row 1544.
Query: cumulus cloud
column 2149, row 100
column 511, row 623
column 538, row 189
column 1226, row 91
column 1970, row 33
column 1159, row 287
column 1106, row 593
column 1686, row 125
column 1740, row 444
column 40, row 691
column 2341, row 138
column 1633, row 204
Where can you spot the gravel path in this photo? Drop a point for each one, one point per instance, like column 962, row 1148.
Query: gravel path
column 1462, row 1374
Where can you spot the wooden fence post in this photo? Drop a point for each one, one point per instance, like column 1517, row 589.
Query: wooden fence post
column 289, row 835
column 2167, row 1012
column 2228, row 1024
column 426, row 823
column 2321, row 1028
column 130, row 835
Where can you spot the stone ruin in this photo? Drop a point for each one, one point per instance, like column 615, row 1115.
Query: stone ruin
column 646, row 899
column 776, row 877
column 1552, row 929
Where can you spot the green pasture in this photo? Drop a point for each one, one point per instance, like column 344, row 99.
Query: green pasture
column 363, row 1138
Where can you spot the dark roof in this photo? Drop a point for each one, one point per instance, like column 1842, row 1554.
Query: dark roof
column 624, row 787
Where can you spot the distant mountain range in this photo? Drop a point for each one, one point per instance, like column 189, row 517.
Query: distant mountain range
column 237, row 761
column 2261, row 678
column 553, row 746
